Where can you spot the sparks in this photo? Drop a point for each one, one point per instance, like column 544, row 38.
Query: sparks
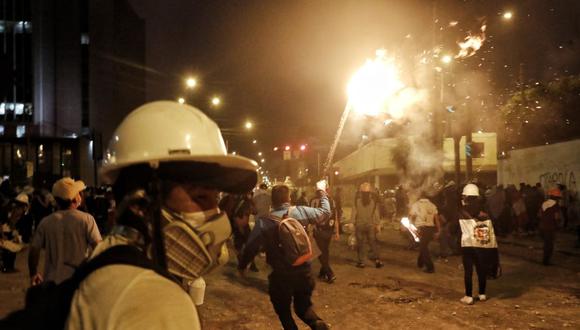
column 471, row 44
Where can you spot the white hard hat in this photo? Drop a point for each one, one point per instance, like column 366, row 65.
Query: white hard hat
column 165, row 133
column 470, row 190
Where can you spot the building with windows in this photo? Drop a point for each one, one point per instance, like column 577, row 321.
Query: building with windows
column 69, row 72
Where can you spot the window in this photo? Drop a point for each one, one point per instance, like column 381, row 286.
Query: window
column 20, row 131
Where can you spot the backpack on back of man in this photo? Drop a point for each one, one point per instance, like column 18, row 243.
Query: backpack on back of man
column 293, row 239
column 47, row 306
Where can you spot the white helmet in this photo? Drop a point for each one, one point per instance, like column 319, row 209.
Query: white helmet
column 470, row 190
column 167, row 133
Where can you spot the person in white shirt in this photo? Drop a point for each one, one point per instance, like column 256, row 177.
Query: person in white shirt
column 175, row 155
column 424, row 215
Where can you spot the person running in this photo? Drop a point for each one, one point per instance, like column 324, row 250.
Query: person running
column 366, row 220
column 478, row 243
column 287, row 283
column 426, row 218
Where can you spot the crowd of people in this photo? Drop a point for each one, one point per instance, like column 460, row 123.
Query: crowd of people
column 176, row 197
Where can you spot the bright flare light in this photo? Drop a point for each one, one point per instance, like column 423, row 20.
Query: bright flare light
column 181, row 100
column 377, row 89
column 411, row 228
column 215, row 101
column 447, row 59
column 508, row 15
column 248, row 125
column 303, row 147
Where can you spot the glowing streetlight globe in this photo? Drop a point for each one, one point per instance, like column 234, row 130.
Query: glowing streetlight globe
column 275, row 149
column 190, row 82
column 215, row 101
column 447, row 59
column 508, row 15
column 260, row 153
column 303, row 147
column 181, row 100
column 248, row 125
column 287, row 148
column 254, row 141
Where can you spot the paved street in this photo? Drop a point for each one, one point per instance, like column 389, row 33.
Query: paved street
column 397, row 296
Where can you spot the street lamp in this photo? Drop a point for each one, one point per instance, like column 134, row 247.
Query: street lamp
column 260, row 153
column 254, row 141
column 303, row 147
column 508, row 15
column 215, row 101
column 447, row 59
column 248, row 125
column 190, row 82
column 181, row 100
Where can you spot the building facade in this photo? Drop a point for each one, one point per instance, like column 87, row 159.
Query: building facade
column 69, row 71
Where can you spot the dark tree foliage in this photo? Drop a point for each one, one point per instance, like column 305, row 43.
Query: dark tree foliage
column 543, row 114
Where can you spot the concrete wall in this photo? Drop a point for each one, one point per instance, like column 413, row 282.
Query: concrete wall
column 549, row 164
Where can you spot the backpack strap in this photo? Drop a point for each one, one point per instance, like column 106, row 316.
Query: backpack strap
column 119, row 255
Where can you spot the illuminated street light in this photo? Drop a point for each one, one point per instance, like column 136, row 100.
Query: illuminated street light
column 508, row 15
column 260, row 153
column 190, row 82
column 275, row 149
column 447, row 59
column 215, row 101
column 303, row 147
column 234, row 153
column 248, row 125
column 263, row 160
column 254, row 141
column 336, row 173
column 287, row 148
column 181, row 100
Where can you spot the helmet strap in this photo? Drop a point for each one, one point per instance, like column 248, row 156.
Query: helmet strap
column 158, row 246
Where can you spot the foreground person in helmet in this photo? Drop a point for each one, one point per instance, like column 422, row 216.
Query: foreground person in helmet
column 168, row 163
column 478, row 243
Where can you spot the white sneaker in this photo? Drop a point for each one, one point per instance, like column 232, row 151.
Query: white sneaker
column 467, row 300
column 482, row 297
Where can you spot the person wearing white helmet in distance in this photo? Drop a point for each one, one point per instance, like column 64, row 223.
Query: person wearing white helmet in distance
column 478, row 243
column 173, row 156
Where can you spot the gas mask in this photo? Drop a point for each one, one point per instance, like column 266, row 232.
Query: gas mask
column 195, row 242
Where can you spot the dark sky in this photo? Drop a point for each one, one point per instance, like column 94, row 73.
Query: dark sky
column 285, row 64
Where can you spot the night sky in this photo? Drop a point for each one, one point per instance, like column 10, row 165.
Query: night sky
column 285, row 64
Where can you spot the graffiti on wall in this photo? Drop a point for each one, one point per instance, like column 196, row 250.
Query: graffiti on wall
column 550, row 179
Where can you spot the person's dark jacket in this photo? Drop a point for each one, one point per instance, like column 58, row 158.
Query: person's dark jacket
column 265, row 233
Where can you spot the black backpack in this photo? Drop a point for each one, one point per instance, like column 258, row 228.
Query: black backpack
column 47, row 305
column 293, row 239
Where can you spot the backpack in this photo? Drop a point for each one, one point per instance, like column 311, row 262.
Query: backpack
column 293, row 239
column 47, row 305
column 328, row 222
